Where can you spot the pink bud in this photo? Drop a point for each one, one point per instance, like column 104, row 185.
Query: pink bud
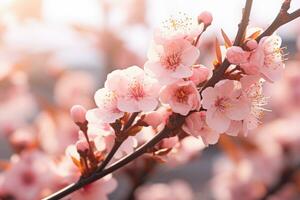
column 236, row 55
column 170, row 142
column 251, row 44
column 155, row 118
column 82, row 145
column 206, row 18
column 78, row 113
column 200, row 74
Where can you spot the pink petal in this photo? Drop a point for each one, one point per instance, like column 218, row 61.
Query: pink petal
column 190, row 55
column 147, row 104
column 217, row 121
column 210, row 137
column 182, row 72
column 128, row 105
column 272, row 73
column 238, row 110
column 208, row 97
column 234, row 128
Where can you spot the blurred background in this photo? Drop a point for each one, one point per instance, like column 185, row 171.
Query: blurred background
column 56, row 53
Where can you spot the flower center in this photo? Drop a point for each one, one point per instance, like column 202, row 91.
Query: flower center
column 28, row 178
column 136, row 90
column 222, row 103
column 172, row 61
column 182, row 94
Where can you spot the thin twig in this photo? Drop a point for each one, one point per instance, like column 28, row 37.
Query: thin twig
column 110, row 155
column 219, row 72
column 282, row 18
column 217, row 76
column 122, row 162
column 117, row 143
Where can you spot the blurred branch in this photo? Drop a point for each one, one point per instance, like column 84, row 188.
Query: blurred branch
column 140, row 178
column 285, row 178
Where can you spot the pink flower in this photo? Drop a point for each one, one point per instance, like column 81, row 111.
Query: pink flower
column 195, row 125
column 82, row 145
column 273, row 65
column 236, row 55
column 189, row 148
column 206, row 18
column 182, row 96
column 224, row 103
column 266, row 60
column 176, row 190
column 107, row 110
column 136, row 91
column 171, row 60
column 78, row 113
column 251, row 44
column 180, row 25
column 253, row 88
column 169, row 142
column 200, row 74
column 28, row 176
column 97, row 190
column 74, row 88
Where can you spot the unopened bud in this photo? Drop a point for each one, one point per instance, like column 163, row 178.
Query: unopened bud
column 82, row 145
column 78, row 114
column 251, row 44
column 205, row 18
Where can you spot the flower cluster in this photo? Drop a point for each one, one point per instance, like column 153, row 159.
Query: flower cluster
column 136, row 103
column 167, row 109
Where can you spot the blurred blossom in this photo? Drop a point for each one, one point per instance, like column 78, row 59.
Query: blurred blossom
column 56, row 131
column 69, row 91
column 30, row 176
column 175, row 190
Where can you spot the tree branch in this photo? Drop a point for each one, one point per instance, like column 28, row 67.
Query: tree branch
column 217, row 76
column 219, row 72
column 282, row 18
column 117, row 143
column 285, row 178
column 122, row 162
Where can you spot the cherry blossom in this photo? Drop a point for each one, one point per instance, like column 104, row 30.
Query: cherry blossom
column 136, row 91
column 200, row 74
column 195, row 125
column 171, row 60
column 78, row 114
column 179, row 25
column 107, row 110
column 182, row 96
column 265, row 60
column 206, row 18
column 224, row 102
column 30, row 174
column 176, row 190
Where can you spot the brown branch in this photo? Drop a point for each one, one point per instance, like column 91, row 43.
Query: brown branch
column 176, row 122
column 217, row 76
column 282, row 18
column 285, row 178
column 118, row 142
column 219, row 72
